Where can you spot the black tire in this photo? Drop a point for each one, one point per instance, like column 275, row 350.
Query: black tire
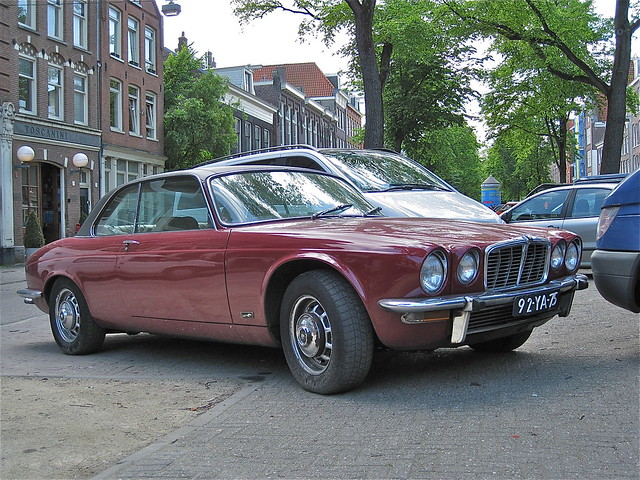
column 326, row 334
column 71, row 322
column 504, row 344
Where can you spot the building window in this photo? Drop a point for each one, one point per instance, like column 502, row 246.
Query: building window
column 294, row 127
column 134, row 110
column 80, row 104
column 115, row 104
column 55, row 92
column 80, row 23
column 27, row 13
column 133, row 41
column 54, row 19
column 27, row 85
column 30, row 192
column 257, row 137
column 150, row 114
column 237, row 125
column 150, row 50
column 248, row 81
column 635, row 128
column 126, row 171
column 247, row 136
column 287, row 122
column 115, row 32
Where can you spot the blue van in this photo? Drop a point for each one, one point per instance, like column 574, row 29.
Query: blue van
column 616, row 261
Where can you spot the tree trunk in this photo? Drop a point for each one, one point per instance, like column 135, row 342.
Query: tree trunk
column 372, row 83
column 616, row 96
column 562, row 150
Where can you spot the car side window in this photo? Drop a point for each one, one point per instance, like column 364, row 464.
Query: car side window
column 588, row 201
column 119, row 215
column 304, row 162
column 169, row 204
column 547, row 205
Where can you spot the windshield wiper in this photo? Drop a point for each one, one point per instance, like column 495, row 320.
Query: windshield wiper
column 373, row 211
column 336, row 209
column 414, row 186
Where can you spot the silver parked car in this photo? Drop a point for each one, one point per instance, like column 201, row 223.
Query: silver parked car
column 574, row 207
column 398, row 185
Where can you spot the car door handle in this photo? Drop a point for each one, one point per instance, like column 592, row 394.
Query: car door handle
column 128, row 243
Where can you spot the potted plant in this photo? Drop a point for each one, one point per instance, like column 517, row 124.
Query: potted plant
column 33, row 235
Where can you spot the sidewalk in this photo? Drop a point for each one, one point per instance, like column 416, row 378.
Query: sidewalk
column 556, row 408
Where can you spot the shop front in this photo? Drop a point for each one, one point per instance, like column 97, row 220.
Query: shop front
column 53, row 171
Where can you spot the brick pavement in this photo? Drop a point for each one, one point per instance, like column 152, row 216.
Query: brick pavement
column 566, row 405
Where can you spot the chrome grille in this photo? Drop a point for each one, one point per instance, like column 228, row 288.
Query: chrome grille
column 516, row 263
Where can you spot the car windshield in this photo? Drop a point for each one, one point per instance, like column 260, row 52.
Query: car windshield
column 383, row 171
column 271, row 195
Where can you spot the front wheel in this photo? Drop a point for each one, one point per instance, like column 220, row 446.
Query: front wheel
column 72, row 325
column 504, row 344
column 326, row 333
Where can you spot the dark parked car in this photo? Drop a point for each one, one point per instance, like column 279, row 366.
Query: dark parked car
column 616, row 260
column 297, row 259
column 574, row 207
column 398, row 185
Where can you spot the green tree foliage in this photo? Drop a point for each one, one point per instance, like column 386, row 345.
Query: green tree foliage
column 532, row 102
column 430, row 74
column 451, row 153
column 198, row 125
column 570, row 41
column 519, row 162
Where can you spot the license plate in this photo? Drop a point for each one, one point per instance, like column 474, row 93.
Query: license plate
column 535, row 303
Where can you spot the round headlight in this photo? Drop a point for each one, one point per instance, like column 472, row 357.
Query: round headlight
column 433, row 272
column 557, row 255
column 572, row 258
column 468, row 267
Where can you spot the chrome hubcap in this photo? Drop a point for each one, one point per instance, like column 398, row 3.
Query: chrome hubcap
column 67, row 315
column 310, row 333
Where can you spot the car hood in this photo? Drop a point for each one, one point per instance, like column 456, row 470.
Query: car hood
column 431, row 204
column 380, row 232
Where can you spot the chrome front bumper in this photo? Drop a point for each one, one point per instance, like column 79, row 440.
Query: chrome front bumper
column 30, row 295
column 463, row 305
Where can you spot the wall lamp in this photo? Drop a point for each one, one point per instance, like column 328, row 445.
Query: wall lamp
column 171, row 9
column 80, row 161
column 25, row 154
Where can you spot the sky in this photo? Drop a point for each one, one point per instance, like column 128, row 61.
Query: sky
column 211, row 25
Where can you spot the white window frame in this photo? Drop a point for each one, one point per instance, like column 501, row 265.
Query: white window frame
column 151, row 102
column 134, row 109
column 29, row 16
column 150, row 50
column 248, row 135
column 80, row 100
column 115, row 32
column 115, row 104
column 31, row 81
column 55, row 21
column 55, row 93
column 80, row 23
column 133, row 41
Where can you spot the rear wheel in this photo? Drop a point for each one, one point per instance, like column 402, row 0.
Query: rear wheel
column 326, row 333
column 71, row 322
column 504, row 344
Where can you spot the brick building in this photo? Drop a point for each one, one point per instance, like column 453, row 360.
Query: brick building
column 80, row 85
column 312, row 107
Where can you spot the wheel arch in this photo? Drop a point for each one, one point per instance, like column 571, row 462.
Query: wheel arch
column 284, row 274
